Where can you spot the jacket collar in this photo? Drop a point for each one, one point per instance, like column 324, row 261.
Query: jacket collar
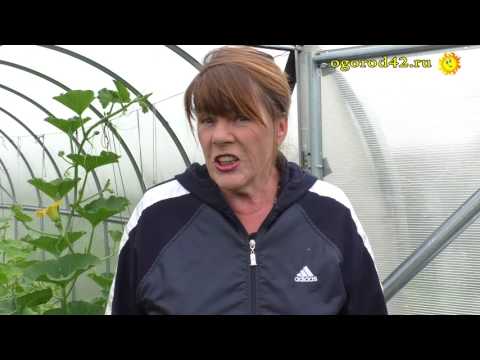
column 294, row 183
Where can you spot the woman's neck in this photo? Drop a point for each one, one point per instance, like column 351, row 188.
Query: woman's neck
column 256, row 199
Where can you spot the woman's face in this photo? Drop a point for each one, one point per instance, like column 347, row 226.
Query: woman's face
column 240, row 152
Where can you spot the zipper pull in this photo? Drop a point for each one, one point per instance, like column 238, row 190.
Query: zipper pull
column 253, row 259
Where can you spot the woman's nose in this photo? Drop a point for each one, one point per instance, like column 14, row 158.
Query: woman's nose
column 222, row 133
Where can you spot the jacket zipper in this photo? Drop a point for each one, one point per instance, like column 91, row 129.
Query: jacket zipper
column 253, row 265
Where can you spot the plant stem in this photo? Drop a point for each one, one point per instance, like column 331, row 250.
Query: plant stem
column 73, row 284
column 72, row 211
column 39, row 232
column 104, row 120
column 80, row 197
column 64, row 299
column 91, row 240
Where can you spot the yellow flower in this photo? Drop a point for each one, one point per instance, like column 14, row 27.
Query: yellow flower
column 40, row 213
column 51, row 211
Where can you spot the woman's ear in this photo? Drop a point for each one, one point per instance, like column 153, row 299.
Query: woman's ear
column 281, row 129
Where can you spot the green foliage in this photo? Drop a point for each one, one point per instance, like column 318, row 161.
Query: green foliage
column 101, row 209
column 19, row 215
column 15, row 249
column 67, row 126
column 90, row 162
column 122, row 91
column 55, row 189
column 104, row 280
column 107, row 97
column 35, row 298
column 7, row 307
column 115, row 235
column 76, row 100
column 55, row 245
column 143, row 103
column 62, row 270
column 30, row 286
column 78, row 308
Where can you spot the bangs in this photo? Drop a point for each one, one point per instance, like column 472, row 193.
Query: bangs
column 223, row 91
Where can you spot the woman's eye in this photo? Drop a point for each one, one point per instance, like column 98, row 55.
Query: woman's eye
column 206, row 121
column 242, row 119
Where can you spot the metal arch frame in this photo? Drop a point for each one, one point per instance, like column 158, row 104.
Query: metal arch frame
column 14, row 196
column 91, row 107
column 40, row 202
column 185, row 55
column 107, row 71
column 37, row 139
column 6, row 192
column 289, row 67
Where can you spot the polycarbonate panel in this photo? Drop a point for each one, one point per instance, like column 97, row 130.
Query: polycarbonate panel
column 404, row 144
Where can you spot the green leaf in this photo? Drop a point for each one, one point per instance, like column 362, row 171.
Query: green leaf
column 47, row 243
column 90, row 162
column 19, row 215
column 101, row 209
column 55, row 189
column 74, row 236
column 7, row 307
column 77, row 100
column 23, row 264
column 104, row 280
column 56, row 311
column 78, row 308
column 67, row 126
column 35, row 298
column 4, row 226
column 84, row 308
column 4, row 223
column 61, row 270
column 3, row 290
column 10, row 271
column 3, row 279
column 115, row 235
column 25, row 311
column 100, row 301
column 106, row 97
column 14, row 249
column 56, row 245
column 122, row 91
column 143, row 102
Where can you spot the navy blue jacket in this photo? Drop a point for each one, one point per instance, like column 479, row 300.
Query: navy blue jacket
column 185, row 252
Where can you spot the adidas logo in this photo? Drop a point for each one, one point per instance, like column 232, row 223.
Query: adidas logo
column 305, row 275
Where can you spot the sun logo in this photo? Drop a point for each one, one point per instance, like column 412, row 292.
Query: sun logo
column 449, row 63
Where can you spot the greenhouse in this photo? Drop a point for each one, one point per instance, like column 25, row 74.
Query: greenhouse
column 87, row 130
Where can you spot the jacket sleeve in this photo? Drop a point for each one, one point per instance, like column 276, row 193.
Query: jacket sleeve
column 122, row 299
column 364, row 290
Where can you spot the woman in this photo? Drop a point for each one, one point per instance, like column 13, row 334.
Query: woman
column 248, row 232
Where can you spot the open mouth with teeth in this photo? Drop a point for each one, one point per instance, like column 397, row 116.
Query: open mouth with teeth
column 226, row 162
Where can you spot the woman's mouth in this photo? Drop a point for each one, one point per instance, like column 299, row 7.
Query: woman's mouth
column 225, row 163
